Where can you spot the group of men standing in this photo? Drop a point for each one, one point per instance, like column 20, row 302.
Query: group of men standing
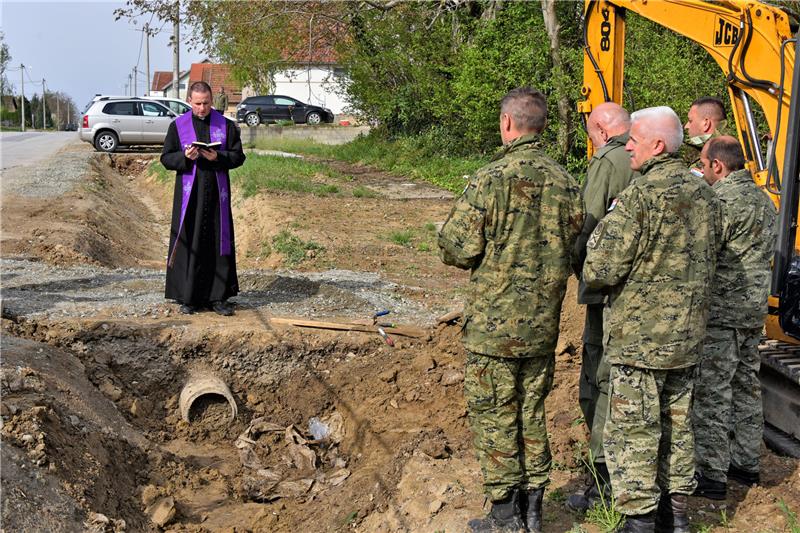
column 674, row 270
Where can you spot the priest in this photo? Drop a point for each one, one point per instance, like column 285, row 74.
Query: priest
column 201, row 264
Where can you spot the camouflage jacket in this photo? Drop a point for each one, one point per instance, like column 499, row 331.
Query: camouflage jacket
column 657, row 249
column 749, row 227
column 608, row 174
column 514, row 226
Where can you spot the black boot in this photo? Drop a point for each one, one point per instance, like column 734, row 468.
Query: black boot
column 532, row 507
column 672, row 514
column 505, row 517
column 708, row 488
column 583, row 501
column 644, row 523
column 743, row 476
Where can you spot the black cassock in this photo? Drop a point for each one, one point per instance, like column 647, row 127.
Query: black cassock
column 199, row 274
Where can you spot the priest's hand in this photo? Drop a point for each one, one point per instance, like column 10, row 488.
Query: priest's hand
column 191, row 152
column 211, row 155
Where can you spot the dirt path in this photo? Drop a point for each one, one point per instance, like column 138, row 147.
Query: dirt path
column 94, row 360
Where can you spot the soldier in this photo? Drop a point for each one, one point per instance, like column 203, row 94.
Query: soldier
column 727, row 389
column 705, row 119
column 608, row 174
column 514, row 227
column 221, row 101
column 655, row 252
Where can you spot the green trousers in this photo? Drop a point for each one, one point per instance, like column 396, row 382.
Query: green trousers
column 648, row 436
column 593, row 384
column 505, row 401
column 727, row 412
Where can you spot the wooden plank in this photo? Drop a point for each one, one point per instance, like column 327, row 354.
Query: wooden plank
column 404, row 331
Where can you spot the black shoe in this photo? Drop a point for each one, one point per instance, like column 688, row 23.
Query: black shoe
column 222, row 308
column 504, row 517
column 583, row 501
column 645, row 523
column 186, row 309
column 708, row 488
column 532, row 509
column 743, row 476
column 672, row 516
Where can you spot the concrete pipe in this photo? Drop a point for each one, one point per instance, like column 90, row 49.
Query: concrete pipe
column 201, row 385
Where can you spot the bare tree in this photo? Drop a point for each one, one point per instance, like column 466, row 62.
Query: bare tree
column 553, row 27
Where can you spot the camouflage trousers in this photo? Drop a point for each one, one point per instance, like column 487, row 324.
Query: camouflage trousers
column 593, row 384
column 648, row 436
column 727, row 412
column 505, row 400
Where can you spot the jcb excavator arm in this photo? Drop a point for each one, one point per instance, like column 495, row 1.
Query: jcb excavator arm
column 753, row 45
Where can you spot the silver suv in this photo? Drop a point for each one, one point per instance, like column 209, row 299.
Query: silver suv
column 109, row 123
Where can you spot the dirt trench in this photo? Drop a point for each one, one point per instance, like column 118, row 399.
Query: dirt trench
column 94, row 440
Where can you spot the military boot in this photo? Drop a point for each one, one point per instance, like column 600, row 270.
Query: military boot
column 532, row 507
column 644, row 523
column 708, row 488
column 672, row 514
column 744, row 477
column 504, row 517
column 590, row 496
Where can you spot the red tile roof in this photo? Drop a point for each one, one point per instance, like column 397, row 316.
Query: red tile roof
column 218, row 76
column 160, row 79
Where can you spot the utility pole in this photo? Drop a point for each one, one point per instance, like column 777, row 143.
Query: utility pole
column 147, row 56
column 176, row 50
column 44, row 107
column 22, row 84
column 130, row 88
column 135, row 81
column 58, row 112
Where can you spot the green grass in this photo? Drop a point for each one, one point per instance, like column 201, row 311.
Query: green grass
column 405, row 156
column 791, row 517
column 604, row 514
column 162, row 174
column 402, row 237
column 364, row 192
column 293, row 247
column 556, row 496
column 274, row 173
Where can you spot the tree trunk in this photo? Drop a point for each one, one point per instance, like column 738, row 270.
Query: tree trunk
column 552, row 26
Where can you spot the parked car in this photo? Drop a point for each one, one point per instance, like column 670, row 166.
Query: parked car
column 179, row 107
column 272, row 108
column 110, row 123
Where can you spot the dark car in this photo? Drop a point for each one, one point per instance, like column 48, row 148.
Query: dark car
column 272, row 108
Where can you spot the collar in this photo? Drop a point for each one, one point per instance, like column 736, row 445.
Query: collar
column 520, row 143
column 207, row 118
column 657, row 161
column 737, row 176
column 613, row 142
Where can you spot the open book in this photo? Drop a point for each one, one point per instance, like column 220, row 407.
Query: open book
column 207, row 146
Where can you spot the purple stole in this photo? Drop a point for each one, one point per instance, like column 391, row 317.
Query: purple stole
column 187, row 136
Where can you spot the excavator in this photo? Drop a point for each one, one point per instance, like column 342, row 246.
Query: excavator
column 754, row 45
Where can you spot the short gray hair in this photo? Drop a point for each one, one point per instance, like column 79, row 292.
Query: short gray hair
column 663, row 124
column 528, row 108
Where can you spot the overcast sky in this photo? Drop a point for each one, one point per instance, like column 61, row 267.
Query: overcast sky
column 79, row 49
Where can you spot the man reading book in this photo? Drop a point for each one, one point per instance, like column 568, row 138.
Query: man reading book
column 202, row 146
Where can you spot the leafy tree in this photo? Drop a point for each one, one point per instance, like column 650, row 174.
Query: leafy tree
column 5, row 58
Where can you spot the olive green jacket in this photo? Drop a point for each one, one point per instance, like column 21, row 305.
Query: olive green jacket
column 608, row 174
column 514, row 227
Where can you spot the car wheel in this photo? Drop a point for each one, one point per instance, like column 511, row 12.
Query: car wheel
column 106, row 141
column 252, row 119
column 313, row 118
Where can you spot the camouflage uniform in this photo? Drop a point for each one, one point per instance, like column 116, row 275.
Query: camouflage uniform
column 514, row 227
column 608, row 174
column 656, row 251
column 692, row 146
column 727, row 390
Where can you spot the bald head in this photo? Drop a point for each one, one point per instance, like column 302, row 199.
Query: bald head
column 654, row 131
column 605, row 121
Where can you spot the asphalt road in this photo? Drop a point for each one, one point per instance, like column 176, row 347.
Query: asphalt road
column 28, row 148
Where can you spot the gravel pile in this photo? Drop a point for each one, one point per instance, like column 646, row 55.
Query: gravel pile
column 35, row 289
column 53, row 178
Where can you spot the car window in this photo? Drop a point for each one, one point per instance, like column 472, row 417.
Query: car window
column 150, row 109
column 177, row 107
column 260, row 100
column 120, row 108
column 280, row 100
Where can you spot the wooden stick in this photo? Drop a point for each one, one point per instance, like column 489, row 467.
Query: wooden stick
column 405, row 331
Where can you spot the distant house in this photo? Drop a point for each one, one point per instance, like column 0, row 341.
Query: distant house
column 165, row 85
column 312, row 76
column 218, row 76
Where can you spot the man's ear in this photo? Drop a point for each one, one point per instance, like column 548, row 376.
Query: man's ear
column 603, row 134
column 659, row 147
column 505, row 122
column 708, row 125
